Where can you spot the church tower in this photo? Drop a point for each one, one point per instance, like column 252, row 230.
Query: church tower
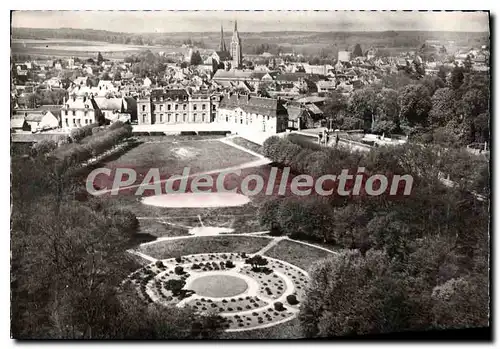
column 236, row 48
column 222, row 45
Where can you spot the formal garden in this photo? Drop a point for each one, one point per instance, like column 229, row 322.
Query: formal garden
column 248, row 291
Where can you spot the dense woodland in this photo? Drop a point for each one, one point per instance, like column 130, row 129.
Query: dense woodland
column 68, row 253
column 413, row 262
column 451, row 109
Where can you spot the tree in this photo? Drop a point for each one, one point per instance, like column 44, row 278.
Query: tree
column 442, row 73
column 196, row 58
column 353, row 295
column 363, row 106
column 335, row 107
column 415, row 103
column 257, row 262
column 387, row 112
column 357, row 52
column 457, row 77
column 443, row 107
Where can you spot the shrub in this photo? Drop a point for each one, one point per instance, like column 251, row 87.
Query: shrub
column 243, row 255
column 292, row 299
column 279, row 306
column 229, row 264
column 179, row 270
column 195, row 266
column 178, row 259
column 175, row 286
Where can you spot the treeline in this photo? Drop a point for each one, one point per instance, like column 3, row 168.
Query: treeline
column 68, row 260
column 451, row 109
column 90, row 142
column 408, row 253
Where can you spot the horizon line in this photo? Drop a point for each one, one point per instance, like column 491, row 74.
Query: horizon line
column 265, row 31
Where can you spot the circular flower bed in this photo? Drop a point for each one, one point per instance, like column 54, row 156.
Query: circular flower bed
column 246, row 296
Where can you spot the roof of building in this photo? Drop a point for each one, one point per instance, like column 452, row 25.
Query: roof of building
column 314, row 109
column 294, row 111
column 108, row 103
column 311, row 99
column 233, row 74
column 170, row 94
column 223, row 55
column 251, row 104
column 17, row 122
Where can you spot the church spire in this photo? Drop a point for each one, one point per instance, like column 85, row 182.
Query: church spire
column 222, row 45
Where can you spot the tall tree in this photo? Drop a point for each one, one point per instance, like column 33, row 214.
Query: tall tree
column 357, row 52
column 415, row 104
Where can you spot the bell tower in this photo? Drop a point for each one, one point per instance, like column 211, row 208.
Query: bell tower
column 236, row 48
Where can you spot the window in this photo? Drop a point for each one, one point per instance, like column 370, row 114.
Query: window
column 184, row 117
column 144, row 118
column 203, row 106
column 74, row 112
column 86, row 121
column 176, row 117
column 66, row 113
column 86, row 113
column 184, row 106
column 214, row 107
column 227, row 118
column 203, row 117
column 66, row 120
column 143, row 108
column 161, row 117
column 176, row 107
column 195, row 106
column 161, row 107
column 194, row 117
column 168, row 106
column 168, row 117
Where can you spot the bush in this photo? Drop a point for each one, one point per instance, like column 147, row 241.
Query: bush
column 179, row 270
column 175, row 286
column 178, row 259
column 229, row 264
column 195, row 266
column 159, row 264
column 279, row 306
column 292, row 299
column 243, row 255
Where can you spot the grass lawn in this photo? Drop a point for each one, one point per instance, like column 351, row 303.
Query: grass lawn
column 171, row 158
column 219, row 286
column 297, row 254
column 157, row 228
column 176, row 138
column 245, row 143
column 288, row 330
column 211, row 244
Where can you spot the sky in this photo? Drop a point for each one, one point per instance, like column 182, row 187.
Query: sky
column 252, row 21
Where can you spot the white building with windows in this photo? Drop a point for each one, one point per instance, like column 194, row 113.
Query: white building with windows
column 249, row 114
column 79, row 111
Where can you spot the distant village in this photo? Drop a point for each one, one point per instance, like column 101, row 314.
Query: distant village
column 262, row 93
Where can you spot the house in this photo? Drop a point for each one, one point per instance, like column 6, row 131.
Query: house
column 326, row 86
column 42, row 121
column 18, row 124
column 54, row 82
column 170, row 106
column 109, row 107
column 245, row 113
column 147, row 82
column 79, row 111
column 344, row 56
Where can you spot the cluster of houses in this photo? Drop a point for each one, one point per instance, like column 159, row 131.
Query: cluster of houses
column 225, row 88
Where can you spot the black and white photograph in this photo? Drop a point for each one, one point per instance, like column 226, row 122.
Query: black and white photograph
column 250, row 175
